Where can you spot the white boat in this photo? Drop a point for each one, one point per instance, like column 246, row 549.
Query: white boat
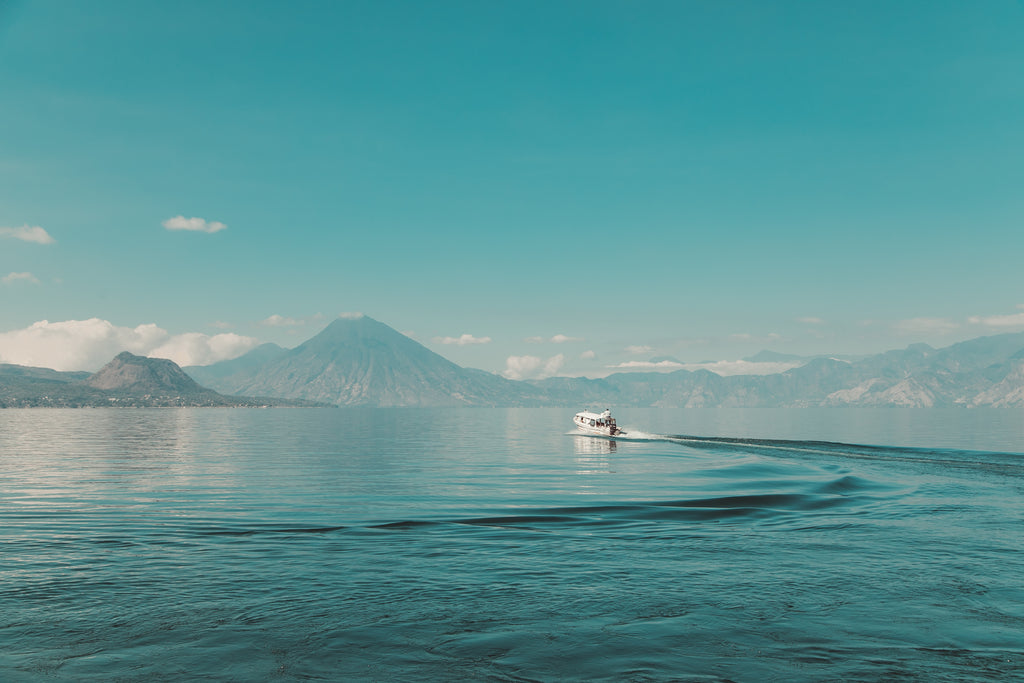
column 602, row 424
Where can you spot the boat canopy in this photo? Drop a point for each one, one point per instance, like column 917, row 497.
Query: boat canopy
column 587, row 415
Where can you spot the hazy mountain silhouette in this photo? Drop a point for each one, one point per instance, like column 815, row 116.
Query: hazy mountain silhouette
column 127, row 380
column 987, row 371
column 229, row 372
column 365, row 362
column 360, row 361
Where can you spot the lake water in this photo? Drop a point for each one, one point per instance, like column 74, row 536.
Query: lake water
column 480, row 544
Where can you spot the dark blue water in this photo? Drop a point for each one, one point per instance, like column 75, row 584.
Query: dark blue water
column 493, row 545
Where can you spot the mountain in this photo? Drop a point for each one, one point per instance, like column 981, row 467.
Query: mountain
column 364, row 362
column 230, row 371
column 767, row 356
column 360, row 361
column 10, row 372
column 127, row 381
column 987, row 371
column 22, row 386
column 140, row 375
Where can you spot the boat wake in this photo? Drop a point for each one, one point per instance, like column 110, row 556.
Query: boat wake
column 1008, row 463
column 627, row 434
column 995, row 461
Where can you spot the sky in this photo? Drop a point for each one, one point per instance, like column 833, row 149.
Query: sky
column 529, row 188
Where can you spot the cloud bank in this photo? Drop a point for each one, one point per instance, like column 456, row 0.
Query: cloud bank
column 464, row 340
column 11, row 278
column 90, row 344
column 281, row 321
column 193, row 224
column 725, row 368
column 746, row 337
column 557, row 339
column 1000, row 321
column 532, row 367
column 27, row 233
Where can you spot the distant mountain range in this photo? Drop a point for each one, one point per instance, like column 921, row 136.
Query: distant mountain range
column 987, row 371
column 362, row 362
column 126, row 381
column 365, row 362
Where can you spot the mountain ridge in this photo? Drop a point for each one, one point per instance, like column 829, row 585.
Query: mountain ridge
column 363, row 362
column 126, row 381
column 369, row 363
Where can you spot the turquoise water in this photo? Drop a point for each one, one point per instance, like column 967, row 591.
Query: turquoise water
column 486, row 544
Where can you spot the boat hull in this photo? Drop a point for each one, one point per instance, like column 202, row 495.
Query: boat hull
column 589, row 423
column 599, row 432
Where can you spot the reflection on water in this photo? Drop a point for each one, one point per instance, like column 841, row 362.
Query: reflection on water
column 588, row 445
column 492, row 545
column 592, row 454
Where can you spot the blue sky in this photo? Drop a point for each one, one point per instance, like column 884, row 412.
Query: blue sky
column 583, row 184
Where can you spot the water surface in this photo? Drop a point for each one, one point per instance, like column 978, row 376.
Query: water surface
column 492, row 544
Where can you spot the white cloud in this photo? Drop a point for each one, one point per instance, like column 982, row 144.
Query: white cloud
column 746, row 337
column 811, row 320
column 24, row 277
column 999, row 321
column 725, row 368
column 89, row 344
column 288, row 321
column 532, row 367
column 195, row 348
column 521, row 367
column 350, row 315
column 221, row 325
column 588, row 355
column 27, row 233
column 464, row 340
column 659, row 366
column 280, row 321
column 553, row 365
column 193, row 224
column 557, row 339
column 918, row 326
column 639, row 349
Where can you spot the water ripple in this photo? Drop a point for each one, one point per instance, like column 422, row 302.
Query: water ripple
column 486, row 545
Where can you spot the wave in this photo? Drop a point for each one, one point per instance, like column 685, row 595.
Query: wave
column 843, row 493
column 811, row 499
column 762, row 508
column 1009, row 463
column 769, row 490
column 999, row 461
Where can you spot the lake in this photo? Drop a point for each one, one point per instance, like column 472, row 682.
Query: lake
column 494, row 544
